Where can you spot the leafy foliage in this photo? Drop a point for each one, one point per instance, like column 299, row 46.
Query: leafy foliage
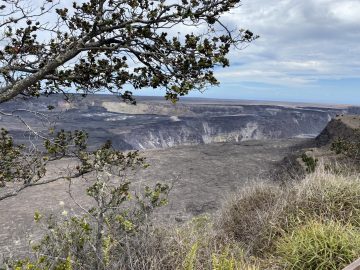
column 25, row 166
column 91, row 46
column 310, row 162
column 11, row 160
column 95, row 239
column 313, row 224
column 20, row 164
column 114, row 44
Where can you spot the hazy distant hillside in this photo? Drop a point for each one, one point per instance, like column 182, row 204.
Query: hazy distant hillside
column 156, row 123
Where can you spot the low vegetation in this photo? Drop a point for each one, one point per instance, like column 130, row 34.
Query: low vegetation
column 319, row 245
column 348, row 150
column 309, row 162
column 312, row 224
column 281, row 216
column 309, row 224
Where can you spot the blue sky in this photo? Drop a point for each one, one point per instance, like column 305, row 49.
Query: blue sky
column 308, row 51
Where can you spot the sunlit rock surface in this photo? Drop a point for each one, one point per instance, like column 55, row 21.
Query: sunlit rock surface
column 217, row 147
column 156, row 123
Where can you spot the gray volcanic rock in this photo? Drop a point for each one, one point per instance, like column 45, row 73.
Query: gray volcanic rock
column 155, row 123
column 342, row 126
column 202, row 177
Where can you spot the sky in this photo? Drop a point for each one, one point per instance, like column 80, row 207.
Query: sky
column 308, row 51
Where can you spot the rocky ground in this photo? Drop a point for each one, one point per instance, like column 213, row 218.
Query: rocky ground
column 154, row 123
column 221, row 157
column 202, row 176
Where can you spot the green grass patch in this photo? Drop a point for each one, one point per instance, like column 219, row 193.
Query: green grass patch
column 319, row 246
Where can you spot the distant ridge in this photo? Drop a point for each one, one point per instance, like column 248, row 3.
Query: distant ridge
column 198, row 100
column 342, row 126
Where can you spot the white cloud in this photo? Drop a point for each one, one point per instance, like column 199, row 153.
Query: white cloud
column 300, row 41
column 257, row 75
column 347, row 11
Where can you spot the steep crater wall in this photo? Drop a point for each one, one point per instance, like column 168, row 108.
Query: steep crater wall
column 158, row 124
column 343, row 127
column 249, row 123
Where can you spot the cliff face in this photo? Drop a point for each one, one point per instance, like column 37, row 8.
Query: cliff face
column 208, row 123
column 157, row 124
column 342, row 126
column 284, row 123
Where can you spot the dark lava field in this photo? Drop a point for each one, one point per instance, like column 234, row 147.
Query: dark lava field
column 202, row 178
column 156, row 123
column 206, row 149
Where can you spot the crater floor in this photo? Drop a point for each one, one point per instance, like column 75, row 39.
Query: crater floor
column 202, row 176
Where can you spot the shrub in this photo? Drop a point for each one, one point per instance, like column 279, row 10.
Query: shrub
column 317, row 245
column 350, row 148
column 325, row 196
column 247, row 217
column 342, row 146
column 310, row 163
column 258, row 216
column 98, row 237
column 196, row 246
column 275, row 224
column 348, row 151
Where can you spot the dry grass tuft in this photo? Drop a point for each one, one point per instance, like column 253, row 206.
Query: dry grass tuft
column 309, row 224
column 247, row 216
column 266, row 227
column 319, row 245
column 259, row 215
